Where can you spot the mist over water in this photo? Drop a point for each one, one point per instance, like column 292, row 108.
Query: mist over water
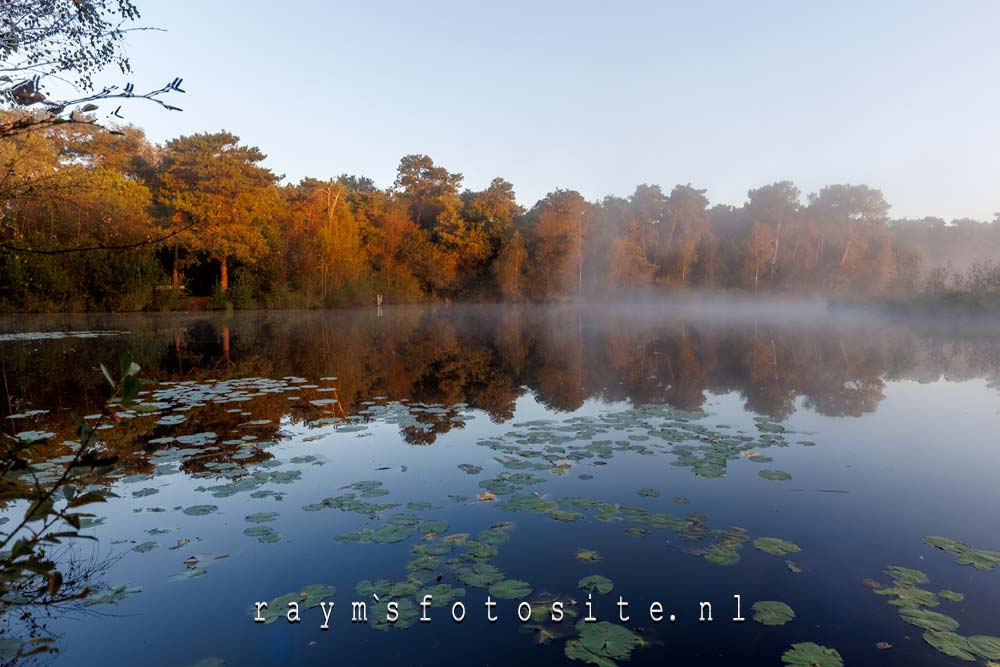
column 666, row 435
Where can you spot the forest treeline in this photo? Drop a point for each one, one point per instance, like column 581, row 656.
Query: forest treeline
column 227, row 227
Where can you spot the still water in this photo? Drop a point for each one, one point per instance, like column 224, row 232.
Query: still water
column 526, row 454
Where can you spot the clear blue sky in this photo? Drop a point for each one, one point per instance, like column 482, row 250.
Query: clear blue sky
column 598, row 96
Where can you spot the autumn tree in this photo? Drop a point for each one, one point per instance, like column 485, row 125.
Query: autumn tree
column 555, row 227
column 326, row 250
column 221, row 185
column 689, row 226
column 509, row 267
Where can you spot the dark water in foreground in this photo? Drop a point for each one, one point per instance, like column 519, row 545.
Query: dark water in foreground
column 352, row 447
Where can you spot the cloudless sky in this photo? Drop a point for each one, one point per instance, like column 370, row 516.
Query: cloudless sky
column 598, row 96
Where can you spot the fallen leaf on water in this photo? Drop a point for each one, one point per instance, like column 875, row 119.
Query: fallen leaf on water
column 485, row 496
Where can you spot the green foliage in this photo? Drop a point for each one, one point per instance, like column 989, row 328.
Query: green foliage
column 55, row 510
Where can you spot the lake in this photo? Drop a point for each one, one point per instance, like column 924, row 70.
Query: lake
column 536, row 454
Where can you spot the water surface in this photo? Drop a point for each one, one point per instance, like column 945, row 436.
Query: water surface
column 356, row 443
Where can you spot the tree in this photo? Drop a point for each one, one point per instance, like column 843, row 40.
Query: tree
column 689, row 225
column 220, row 184
column 853, row 216
column 69, row 40
column 774, row 206
column 556, row 229
column 493, row 210
column 325, row 242
column 431, row 192
column 508, row 267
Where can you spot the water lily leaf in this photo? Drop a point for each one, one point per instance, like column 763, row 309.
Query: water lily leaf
column 981, row 559
column 434, row 526
column 560, row 515
column 950, row 644
column 379, row 587
column 510, row 589
column 407, row 615
column 480, row 575
column 776, row 546
column 200, row 510
column 391, row 534
column 469, row 469
column 771, row 612
column 906, row 575
column 588, row 556
column 262, row 517
column 602, row 643
column 648, row 493
column 144, row 547
column 985, row 646
column 112, row 595
column 722, row 555
column 442, row 595
column 808, row 654
column 928, row 620
column 595, row 583
column 909, row 596
column 312, row 595
column 418, row 506
column 951, row 596
column 775, row 475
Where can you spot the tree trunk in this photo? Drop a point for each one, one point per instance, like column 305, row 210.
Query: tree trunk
column 175, row 279
column 847, row 249
column 223, row 275
column 774, row 257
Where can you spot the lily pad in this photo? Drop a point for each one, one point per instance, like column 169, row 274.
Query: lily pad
column 906, row 575
column 928, row 620
column 200, row 510
column 480, row 575
column 771, row 612
column 722, row 555
column 775, row 476
column 588, row 555
column 951, row 596
column 144, row 547
column 985, row 646
column 262, row 517
column 776, row 546
column 602, row 643
column 595, row 583
column 808, row 654
column 950, row 644
column 510, row 589
column 433, row 526
column 648, row 493
column 391, row 534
